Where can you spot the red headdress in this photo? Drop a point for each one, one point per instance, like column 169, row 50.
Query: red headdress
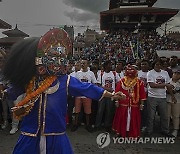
column 52, row 52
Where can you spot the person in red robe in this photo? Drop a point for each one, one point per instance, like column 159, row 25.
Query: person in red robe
column 127, row 119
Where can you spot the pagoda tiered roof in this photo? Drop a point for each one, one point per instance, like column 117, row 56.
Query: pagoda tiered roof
column 15, row 33
column 141, row 10
column 127, row 14
column 118, row 3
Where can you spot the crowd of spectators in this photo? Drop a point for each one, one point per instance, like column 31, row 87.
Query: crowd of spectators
column 129, row 46
column 111, row 75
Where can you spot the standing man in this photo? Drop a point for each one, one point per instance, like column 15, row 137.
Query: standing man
column 174, row 108
column 84, row 75
column 174, row 63
column 108, row 80
column 142, row 75
column 158, row 83
column 120, row 68
column 71, row 99
column 77, row 67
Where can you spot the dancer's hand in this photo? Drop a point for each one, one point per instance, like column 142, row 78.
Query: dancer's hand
column 117, row 104
column 118, row 96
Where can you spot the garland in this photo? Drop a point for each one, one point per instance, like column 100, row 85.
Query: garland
column 137, row 92
column 129, row 85
column 30, row 94
column 24, row 106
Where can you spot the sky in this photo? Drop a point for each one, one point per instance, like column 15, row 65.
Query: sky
column 35, row 17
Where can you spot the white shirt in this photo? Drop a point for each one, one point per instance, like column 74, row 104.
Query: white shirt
column 73, row 74
column 108, row 79
column 158, row 78
column 86, row 77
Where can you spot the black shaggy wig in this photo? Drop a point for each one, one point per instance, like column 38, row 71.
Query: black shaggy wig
column 20, row 65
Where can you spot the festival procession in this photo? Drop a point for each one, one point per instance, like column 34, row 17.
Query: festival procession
column 80, row 88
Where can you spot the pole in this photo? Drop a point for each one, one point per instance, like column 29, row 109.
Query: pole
column 165, row 30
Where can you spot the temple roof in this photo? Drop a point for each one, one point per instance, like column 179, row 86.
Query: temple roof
column 4, row 25
column 117, row 3
column 15, row 33
column 9, row 40
column 141, row 10
column 128, row 18
column 113, row 4
column 150, row 3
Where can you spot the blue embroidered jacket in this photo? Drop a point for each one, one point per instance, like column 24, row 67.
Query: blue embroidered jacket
column 48, row 114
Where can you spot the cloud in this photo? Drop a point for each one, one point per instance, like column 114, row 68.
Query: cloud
column 94, row 6
column 86, row 11
column 97, row 6
column 81, row 16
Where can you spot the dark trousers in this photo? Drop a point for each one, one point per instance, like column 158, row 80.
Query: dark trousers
column 94, row 108
column 70, row 107
column 144, row 115
column 108, row 106
column 152, row 104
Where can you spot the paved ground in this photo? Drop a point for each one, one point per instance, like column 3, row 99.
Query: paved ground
column 85, row 143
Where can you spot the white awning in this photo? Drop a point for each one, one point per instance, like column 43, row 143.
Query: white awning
column 168, row 53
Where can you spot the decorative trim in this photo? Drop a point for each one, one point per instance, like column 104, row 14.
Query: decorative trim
column 53, row 89
column 39, row 114
column 130, row 89
column 48, row 134
column 43, row 134
column 105, row 91
column 44, row 113
column 125, row 86
column 130, row 105
column 28, row 134
column 67, row 83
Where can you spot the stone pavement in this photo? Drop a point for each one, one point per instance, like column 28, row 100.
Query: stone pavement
column 84, row 142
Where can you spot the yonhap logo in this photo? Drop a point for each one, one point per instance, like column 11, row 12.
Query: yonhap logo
column 103, row 140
